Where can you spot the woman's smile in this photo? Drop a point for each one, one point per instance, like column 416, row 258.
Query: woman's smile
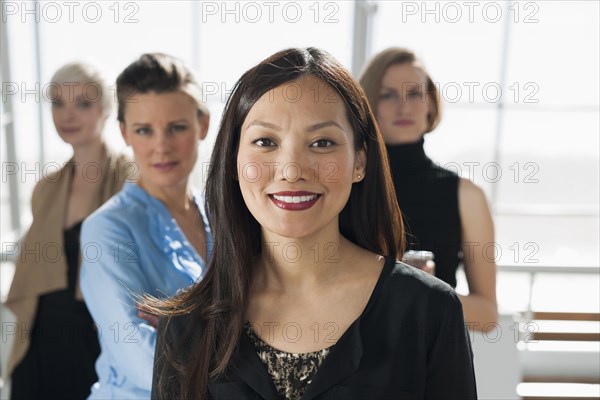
column 294, row 201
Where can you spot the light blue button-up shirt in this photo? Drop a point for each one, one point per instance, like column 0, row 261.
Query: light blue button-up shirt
column 132, row 246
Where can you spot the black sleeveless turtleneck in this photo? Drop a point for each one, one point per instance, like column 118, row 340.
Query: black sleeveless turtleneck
column 428, row 198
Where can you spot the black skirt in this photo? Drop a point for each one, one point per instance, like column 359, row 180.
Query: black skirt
column 59, row 363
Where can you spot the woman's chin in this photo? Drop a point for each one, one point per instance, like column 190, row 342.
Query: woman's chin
column 293, row 232
column 402, row 136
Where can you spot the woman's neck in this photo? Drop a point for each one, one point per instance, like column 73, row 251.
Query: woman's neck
column 92, row 153
column 405, row 157
column 296, row 265
column 177, row 199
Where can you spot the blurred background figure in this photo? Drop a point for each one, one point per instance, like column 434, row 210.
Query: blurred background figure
column 153, row 234
column 56, row 343
column 444, row 214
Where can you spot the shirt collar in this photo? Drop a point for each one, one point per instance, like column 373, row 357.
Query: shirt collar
column 165, row 232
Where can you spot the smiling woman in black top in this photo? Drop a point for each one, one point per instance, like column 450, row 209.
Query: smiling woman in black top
column 304, row 297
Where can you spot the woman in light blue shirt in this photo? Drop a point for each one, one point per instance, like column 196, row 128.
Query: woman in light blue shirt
column 152, row 237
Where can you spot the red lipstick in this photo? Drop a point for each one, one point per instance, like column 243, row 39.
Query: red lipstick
column 294, row 200
column 404, row 122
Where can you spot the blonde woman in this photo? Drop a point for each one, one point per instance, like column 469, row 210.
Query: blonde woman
column 56, row 346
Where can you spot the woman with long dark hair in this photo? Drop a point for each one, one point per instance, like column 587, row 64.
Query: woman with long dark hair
column 303, row 296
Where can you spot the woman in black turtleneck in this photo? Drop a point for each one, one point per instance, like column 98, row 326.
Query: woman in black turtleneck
column 443, row 213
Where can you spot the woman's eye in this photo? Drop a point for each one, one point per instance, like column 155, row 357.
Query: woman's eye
column 83, row 105
column 57, row 103
column 322, row 143
column 387, row 96
column 414, row 95
column 142, row 131
column 178, row 128
column 264, row 142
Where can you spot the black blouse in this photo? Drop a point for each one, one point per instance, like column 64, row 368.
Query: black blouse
column 428, row 198
column 291, row 372
column 410, row 342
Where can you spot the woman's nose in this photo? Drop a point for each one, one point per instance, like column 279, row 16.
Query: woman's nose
column 295, row 165
column 66, row 114
column 403, row 103
column 162, row 142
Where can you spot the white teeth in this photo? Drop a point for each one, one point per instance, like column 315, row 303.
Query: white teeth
column 295, row 199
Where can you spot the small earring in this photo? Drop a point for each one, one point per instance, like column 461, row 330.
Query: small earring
column 358, row 176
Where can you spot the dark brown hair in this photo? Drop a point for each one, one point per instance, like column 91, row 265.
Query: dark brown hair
column 215, row 306
column 158, row 73
column 372, row 76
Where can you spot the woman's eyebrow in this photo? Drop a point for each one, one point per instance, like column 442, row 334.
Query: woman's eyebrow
column 383, row 87
column 311, row 128
column 264, row 125
column 322, row 125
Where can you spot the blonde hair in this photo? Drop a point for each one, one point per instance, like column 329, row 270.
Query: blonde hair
column 86, row 74
column 372, row 76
